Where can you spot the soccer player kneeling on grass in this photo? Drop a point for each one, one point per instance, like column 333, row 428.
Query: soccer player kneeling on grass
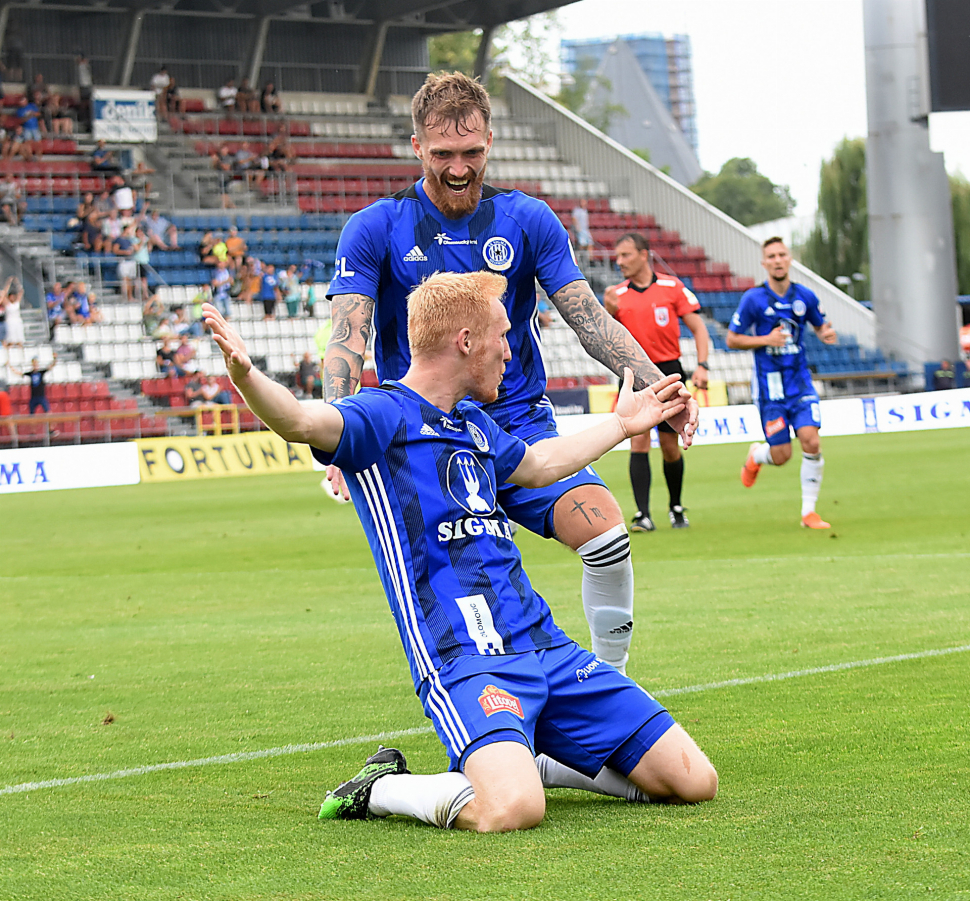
column 498, row 678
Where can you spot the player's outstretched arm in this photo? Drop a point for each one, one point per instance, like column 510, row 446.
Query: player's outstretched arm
column 636, row 413
column 319, row 424
column 606, row 340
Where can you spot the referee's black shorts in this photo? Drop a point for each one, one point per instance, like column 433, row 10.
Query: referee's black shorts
column 669, row 367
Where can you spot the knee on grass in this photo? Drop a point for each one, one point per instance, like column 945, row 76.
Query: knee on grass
column 522, row 810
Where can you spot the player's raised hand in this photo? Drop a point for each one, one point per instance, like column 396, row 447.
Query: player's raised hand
column 232, row 346
column 640, row 411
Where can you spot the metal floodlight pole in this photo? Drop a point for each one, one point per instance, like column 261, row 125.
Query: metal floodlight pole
column 911, row 244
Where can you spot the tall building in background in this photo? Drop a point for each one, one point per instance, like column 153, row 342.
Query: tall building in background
column 666, row 61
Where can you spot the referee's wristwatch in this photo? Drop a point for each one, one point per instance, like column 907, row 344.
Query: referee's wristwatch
column 703, row 365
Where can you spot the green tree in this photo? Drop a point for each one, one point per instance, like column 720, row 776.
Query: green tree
column 454, row 51
column 960, row 195
column 746, row 195
column 838, row 246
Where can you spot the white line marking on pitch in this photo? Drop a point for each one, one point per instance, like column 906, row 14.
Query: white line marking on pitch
column 422, row 730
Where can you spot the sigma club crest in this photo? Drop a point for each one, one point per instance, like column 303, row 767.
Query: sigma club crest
column 498, row 254
column 470, row 484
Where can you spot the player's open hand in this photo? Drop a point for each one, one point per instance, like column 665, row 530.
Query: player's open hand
column 640, row 411
column 232, row 346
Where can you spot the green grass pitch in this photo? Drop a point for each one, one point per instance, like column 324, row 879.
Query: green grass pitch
column 169, row 623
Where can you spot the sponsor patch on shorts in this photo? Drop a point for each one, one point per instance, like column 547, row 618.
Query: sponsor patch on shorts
column 495, row 700
column 774, row 426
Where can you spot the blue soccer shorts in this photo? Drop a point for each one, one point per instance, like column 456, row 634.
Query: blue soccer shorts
column 533, row 508
column 778, row 416
column 564, row 702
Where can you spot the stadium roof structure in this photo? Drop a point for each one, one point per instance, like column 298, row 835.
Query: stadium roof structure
column 435, row 15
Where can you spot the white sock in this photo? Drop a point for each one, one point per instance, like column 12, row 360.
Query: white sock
column 436, row 800
column 762, row 455
column 813, row 466
column 608, row 594
column 606, row 782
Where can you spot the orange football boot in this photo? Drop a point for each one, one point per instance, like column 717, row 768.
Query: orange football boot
column 750, row 470
column 814, row 521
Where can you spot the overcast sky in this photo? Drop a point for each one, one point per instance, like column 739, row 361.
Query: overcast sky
column 780, row 81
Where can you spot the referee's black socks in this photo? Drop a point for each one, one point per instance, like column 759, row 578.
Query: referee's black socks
column 674, row 474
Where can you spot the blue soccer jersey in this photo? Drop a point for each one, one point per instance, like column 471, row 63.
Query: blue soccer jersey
column 388, row 248
column 424, row 485
column 780, row 372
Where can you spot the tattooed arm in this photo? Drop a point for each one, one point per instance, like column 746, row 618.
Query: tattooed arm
column 606, row 340
column 350, row 315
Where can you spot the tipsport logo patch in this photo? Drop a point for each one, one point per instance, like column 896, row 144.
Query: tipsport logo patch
column 495, row 700
column 774, row 426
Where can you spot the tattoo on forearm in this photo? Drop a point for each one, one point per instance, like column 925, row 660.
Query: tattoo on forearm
column 351, row 317
column 602, row 337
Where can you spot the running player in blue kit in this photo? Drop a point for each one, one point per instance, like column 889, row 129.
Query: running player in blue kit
column 450, row 220
column 497, row 677
column 778, row 312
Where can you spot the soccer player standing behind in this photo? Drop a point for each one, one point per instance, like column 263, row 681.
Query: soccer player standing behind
column 652, row 308
column 452, row 221
column 771, row 321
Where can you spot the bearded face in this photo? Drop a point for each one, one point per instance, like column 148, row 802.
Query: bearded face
column 454, row 157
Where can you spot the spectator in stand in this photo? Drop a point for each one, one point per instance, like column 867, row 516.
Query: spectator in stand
column 159, row 84
column 184, row 355
column 221, row 284
column 280, row 152
column 152, row 314
column 173, row 99
column 193, row 389
column 582, row 237
column 291, row 290
column 81, row 305
column 943, row 379
column 103, row 159
column 247, row 163
column 252, row 279
column 270, row 100
column 269, row 292
column 12, row 205
column 223, row 162
column 141, row 257
column 165, row 359
column 308, row 375
column 85, row 207
column 29, row 118
column 111, row 230
column 6, row 408
column 63, row 115
column 10, row 297
column 103, row 204
column 85, row 89
column 544, row 310
column 20, row 145
column 91, row 235
column 226, row 95
column 236, row 248
column 122, row 197
column 186, row 324
column 138, row 179
column 124, row 247
column 55, row 299
column 246, row 99
column 213, row 392
column 312, row 296
column 162, row 234
column 38, row 391
column 5, row 140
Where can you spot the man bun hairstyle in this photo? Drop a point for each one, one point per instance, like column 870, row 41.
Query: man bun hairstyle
column 446, row 302
column 450, row 98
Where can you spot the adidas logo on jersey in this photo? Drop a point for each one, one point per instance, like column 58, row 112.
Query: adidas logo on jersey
column 415, row 255
column 427, row 430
